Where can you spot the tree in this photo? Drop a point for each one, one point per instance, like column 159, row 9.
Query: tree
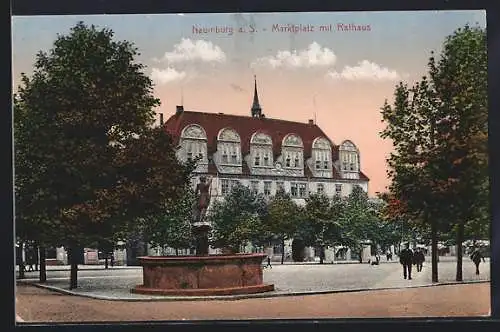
column 359, row 222
column 319, row 228
column 439, row 130
column 173, row 226
column 237, row 220
column 87, row 113
column 283, row 218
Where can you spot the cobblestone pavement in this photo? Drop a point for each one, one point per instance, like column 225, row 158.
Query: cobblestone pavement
column 40, row 305
column 115, row 283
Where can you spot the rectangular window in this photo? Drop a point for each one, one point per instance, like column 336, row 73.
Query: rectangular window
column 267, row 188
column 352, row 167
column 296, row 162
column 302, row 190
column 225, row 187
column 345, row 166
column 189, row 156
column 266, row 160
column 254, row 186
column 234, row 159
column 294, row 189
column 280, row 186
column 325, row 164
column 257, row 160
column 287, row 162
column 320, row 188
column 338, row 189
column 224, row 157
column 318, row 164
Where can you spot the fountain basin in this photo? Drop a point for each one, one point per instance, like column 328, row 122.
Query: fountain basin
column 202, row 275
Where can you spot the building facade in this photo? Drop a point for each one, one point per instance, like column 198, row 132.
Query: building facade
column 265, row 154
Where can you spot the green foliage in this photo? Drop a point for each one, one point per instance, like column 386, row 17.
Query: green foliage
column 173, row 227
column 88, row 162
column 320, row 226
column 360, row 221
column 237, row 219
column 283, row 216
column 439, row 130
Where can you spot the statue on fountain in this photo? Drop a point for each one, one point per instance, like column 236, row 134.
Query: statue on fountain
column 200, row 227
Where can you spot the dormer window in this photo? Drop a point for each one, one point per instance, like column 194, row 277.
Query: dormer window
column 261, row 149
column 322, row 152
column 229, row 146
column 349, row 156
column 193, row 142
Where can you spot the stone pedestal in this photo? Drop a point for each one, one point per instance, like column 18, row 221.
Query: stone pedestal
column 200, row 232
column 202, row 275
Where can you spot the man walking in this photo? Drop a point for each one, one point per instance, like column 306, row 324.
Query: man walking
column 269, row 262
column 419, row 259
column 406, row 259
column 476, row 257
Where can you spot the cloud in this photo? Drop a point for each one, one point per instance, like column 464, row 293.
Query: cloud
column 197, row 50
column 236, row 87
column 365, row 71
column 164, row 76
column 313, row 56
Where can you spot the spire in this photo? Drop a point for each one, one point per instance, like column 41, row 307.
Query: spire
column 256, row 109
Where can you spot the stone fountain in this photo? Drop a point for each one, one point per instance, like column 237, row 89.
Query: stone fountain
column 203, row 274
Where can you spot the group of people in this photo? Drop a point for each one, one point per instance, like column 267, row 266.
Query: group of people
column 407, row 258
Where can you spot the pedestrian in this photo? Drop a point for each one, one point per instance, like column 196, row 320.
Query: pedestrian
column 269, row 262
column 406, row 259
column 419, row 259
column 476, row 257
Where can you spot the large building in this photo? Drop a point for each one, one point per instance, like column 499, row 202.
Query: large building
column 265, row 154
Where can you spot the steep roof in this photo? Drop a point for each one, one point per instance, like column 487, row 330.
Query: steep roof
column 246, row 126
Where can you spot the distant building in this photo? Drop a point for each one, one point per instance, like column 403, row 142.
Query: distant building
column 265, row 154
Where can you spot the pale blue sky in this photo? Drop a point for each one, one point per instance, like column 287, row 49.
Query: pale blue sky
column 397, row 39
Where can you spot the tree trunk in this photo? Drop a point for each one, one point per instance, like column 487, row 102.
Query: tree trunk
column 321, row 254
column 43, row 264
column 460, row 239
column 73, row 280
column 282, row 251
column 21, row 261
column 176, row 252
column 106, row 261
column 434, row 250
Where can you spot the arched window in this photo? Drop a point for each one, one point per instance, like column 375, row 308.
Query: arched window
column 193, row 143
column 229, row 146
column 292, row 150
column 349, row 156
column 261, row 149
column 321, row 152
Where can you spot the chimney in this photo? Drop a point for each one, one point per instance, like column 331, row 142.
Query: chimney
column 179, row 109
column 311, row 122
column 161, row 119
